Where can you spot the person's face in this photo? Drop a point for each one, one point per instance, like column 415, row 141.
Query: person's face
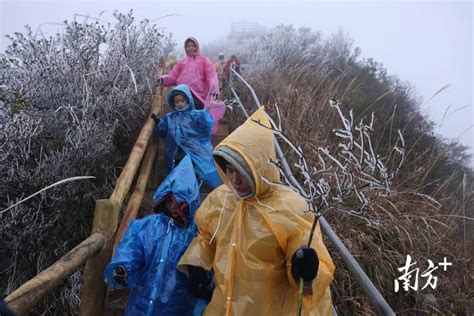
column 172, row 209
column 191, row 48
column 238, row 182
column 180, row 101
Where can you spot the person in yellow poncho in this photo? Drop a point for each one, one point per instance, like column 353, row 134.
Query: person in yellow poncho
column 250, row 231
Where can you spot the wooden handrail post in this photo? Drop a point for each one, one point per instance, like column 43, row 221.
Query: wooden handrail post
column 23, row 299
column 106, row 216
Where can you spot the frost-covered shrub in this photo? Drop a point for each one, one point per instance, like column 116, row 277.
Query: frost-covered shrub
column 71, row 105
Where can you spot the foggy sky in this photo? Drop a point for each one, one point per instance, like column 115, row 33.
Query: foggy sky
column 428, row 44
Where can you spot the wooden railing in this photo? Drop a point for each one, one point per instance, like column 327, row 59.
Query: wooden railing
column 106, row 220
column 96, row 250
column 30, row 293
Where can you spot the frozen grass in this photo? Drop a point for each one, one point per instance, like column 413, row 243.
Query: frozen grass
column 429, row 212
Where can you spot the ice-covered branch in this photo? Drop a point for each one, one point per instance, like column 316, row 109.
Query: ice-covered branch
column 353, row 169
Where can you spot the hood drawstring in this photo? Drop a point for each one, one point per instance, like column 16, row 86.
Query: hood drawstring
column 258, row 201
column 222, row 211
column 170, row 222
column 220, row 216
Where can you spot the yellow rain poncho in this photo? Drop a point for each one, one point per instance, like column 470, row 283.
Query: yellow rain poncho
column 249, row 243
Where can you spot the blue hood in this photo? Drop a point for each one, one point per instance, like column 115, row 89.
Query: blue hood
column 182, row 183
column 181, row 89
column 151, row 248
column 189, row 130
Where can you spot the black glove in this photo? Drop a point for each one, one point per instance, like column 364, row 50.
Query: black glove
column 304, row 264
column 198, row 281
column 4, row 309
column 155, row 118
column 120, row 275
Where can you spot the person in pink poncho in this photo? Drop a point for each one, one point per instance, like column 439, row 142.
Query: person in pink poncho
column 199, row 73
column 196, row 71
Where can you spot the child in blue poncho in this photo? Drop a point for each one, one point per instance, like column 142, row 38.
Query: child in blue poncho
column 146, row 258
column 187, row 131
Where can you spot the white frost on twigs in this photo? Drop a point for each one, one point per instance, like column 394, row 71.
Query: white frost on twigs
column 354, row 169
column 47, row 188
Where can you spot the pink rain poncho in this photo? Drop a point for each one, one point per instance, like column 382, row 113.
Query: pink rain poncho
column 199, row 73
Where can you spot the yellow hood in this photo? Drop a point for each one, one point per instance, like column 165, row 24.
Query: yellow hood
column 253, row 143
column 248, row 243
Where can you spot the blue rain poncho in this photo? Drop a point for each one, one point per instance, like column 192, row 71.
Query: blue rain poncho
column 190, row 130
column 151, row 247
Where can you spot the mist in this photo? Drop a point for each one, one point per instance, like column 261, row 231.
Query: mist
column 426, row 44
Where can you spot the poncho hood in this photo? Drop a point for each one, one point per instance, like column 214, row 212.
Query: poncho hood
column 195, row 41
column 182, row 185
column 254, row 144
column 182, row 89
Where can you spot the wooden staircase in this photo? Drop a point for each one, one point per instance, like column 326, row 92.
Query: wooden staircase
column 116, row 299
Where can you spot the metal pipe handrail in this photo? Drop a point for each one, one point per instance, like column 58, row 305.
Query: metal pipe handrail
column 374, row 295
column 234, row 72
column 231, row 86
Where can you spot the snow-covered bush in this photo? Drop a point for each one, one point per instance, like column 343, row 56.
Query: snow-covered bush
column 71, row 105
